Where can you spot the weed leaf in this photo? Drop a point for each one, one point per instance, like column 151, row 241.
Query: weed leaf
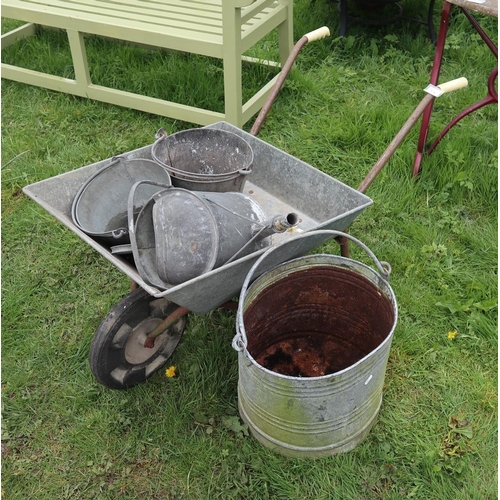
column 234, row 425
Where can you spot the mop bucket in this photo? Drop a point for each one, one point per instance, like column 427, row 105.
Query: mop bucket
column 204, row 159
column 313, row 336
column 196, row 232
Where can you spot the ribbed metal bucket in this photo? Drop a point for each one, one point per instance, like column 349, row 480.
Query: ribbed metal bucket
column 313, row 336
column 204, row 159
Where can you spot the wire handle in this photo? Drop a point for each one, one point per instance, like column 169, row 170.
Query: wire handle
column 130, row 205
column 117, row 233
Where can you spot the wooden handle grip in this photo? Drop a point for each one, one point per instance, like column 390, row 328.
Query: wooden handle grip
column 317, row 34
column 452, row 85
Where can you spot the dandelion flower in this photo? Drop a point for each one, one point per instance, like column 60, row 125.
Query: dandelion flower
column 452, row 334
column 170, row 372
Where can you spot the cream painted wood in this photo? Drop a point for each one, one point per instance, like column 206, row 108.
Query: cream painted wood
column 224, row 29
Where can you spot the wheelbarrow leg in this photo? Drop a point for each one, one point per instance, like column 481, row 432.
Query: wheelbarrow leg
column 344, row 245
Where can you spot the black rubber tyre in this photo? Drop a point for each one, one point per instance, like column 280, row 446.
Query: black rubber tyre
column 118, row 358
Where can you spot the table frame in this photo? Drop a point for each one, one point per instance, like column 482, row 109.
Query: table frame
column 491, row 97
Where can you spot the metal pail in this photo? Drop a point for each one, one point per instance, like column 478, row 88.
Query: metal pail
column 204, row 159
column 100, row 205
column 313, row 336
column 180, row 235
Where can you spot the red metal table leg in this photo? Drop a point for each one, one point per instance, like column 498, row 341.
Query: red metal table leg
column 491, row 98
column 436, row 67
column 486, row 39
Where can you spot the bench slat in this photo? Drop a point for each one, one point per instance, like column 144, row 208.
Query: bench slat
column 200, row 28
column 195, row 12
column 154, row 20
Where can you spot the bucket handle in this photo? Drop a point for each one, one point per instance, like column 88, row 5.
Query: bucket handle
column 240, row 340
column 130, row 207
column 161, row 133
column 245, row 171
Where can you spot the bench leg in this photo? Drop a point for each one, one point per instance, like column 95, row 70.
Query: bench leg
column 233, row 95
column 285, row 35
column 79, row 55
column 233, row 88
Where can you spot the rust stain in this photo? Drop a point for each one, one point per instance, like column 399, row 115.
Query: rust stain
column 317, row 321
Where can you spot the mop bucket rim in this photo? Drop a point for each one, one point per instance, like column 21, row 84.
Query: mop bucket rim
column 239, row 342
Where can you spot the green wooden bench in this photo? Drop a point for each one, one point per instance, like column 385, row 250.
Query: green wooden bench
column 224, row 29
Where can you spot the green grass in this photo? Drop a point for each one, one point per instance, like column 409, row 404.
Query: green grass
column 66, row 436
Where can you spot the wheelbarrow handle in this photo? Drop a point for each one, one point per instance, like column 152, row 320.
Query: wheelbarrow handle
column 317, row 34
column 426, row 101
column 285, row 69
column 453, row 85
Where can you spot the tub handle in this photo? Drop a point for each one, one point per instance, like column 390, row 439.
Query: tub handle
column 240, row 341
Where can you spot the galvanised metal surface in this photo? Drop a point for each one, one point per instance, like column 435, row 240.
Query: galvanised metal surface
column 204, row 159
column 279, row 183
column 100, row 206
column 186, row 234
column 313, row 336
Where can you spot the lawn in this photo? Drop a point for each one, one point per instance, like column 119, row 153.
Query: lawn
column 64, row 435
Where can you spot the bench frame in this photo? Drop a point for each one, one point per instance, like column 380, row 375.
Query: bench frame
column 228, row 29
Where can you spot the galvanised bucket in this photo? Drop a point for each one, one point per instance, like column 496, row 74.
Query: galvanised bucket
column 204, row 159
column 313, row 336
column 100, row 205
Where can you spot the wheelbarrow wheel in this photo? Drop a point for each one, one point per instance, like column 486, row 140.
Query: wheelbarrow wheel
column 118, row 358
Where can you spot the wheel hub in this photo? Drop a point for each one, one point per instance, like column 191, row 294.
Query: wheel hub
column 135, row 352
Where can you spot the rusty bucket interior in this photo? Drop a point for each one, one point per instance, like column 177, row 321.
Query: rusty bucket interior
column 317, row 321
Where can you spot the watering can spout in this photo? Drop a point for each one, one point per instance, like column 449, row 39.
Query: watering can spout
column 282, row 223
column 277, row 224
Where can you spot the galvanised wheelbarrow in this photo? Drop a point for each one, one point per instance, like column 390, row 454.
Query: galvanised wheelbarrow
column 279, row 183
column 142, row 330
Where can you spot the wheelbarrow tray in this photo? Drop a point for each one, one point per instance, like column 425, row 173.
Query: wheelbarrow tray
column 279, row 182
